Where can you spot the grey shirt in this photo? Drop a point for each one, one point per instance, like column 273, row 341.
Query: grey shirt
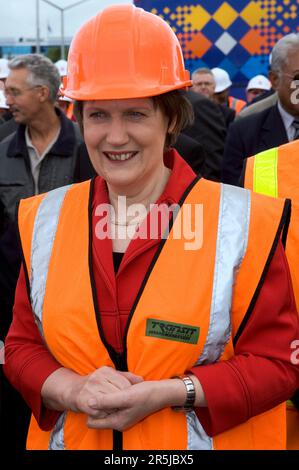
column 35, row 158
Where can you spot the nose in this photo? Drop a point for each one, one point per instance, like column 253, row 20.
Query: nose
column 9, row 99
column 117, row 133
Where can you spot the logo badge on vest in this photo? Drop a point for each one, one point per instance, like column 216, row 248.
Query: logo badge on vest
column 172, row 331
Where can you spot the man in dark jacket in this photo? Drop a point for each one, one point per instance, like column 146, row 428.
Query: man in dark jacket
column 273, row 126
column 209, row 130
column 39, row 156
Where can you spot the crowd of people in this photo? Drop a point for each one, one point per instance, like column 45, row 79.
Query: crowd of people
column 147, row 291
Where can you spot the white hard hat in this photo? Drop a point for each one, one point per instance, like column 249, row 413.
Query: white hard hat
column 4, row 70
column 65, row 98
column 3, row 104
column 62, row 97
column 62, row 67
column 259, row 82
column 222, row 79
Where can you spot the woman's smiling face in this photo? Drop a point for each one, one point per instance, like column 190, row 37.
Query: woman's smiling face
column 125, row 140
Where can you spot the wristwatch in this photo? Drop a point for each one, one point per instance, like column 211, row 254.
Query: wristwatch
column 190, row 393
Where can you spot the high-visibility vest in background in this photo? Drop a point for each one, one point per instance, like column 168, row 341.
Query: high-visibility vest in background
column 236, row 104
column 274, row 172
column 202, row 298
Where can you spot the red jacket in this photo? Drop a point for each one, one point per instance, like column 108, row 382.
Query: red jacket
column 234, row 389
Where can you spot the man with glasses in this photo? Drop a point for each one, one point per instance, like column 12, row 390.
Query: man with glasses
column 273, row 126
column 39, row 156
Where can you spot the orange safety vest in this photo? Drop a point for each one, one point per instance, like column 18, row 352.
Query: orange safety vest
column 275, row 172
column 191, row 308
column 236, row 104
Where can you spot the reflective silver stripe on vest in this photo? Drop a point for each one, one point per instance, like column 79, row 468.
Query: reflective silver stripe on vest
column 45, row 226
column 232, row 238
column 57, row 435
column 197, row 438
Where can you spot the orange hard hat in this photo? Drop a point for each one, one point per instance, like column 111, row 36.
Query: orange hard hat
column 124, row 52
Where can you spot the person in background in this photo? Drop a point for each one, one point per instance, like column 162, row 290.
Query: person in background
column 3, row 106
column 274, row 172
column 209, row 130
column 275, row 125
column 256, row 87
column 129, row 327
column 61, row 66
column 40, row 155
column 263, row 101
column 267, row 100
column 203, row 82
column 4, row 71
column 222, row 89
column 63, row 102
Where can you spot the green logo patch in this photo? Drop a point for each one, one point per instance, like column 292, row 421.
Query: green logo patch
column 173, row 331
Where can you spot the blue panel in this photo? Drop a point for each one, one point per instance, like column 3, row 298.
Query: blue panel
column 213, row 57
column 255, row 66
column 212, row 30
column 238, row 91
column 238, row 29
column 210, row 5
column 240, row 77
column 238, row 5
column 238, row 55
column 9, row 51
column 227, row 65
column 195, row 64
column 158, row 4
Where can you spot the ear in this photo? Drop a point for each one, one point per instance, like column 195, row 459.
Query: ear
column 274, row 79
column 43, row 93
column 171, row 126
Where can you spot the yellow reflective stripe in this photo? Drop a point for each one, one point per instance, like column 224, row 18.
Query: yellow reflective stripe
column 265, row 173
column 290, row 404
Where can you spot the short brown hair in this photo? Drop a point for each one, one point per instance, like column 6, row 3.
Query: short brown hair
column 174, row 105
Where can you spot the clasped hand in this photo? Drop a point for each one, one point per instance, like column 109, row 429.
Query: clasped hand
column 116, row 400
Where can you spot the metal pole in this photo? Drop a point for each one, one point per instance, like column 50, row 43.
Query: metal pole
column 62, row 35
column 62, row 49
column 37, row 28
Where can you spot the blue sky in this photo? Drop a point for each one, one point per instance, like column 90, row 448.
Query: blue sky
column 18, row 17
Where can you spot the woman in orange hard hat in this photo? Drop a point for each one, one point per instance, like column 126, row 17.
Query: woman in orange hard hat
column 150, row 301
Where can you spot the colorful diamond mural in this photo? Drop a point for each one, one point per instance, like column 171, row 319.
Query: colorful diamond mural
column 237, row 35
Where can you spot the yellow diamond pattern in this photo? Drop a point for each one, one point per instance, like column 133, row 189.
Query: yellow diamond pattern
column 198, row 17
column 253, row 14
column 225, row 15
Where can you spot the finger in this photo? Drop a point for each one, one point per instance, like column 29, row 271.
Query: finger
column 111, row 421
column 109, row 401
column 133, row 378
column 116, row 379
column 99, row 414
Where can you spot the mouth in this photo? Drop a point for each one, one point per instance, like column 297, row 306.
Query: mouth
column 120, row 156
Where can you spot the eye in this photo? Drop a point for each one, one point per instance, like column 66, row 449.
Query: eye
column 98, row 115
column 134, row 114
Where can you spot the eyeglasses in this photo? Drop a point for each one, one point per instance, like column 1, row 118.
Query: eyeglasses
column 15, row 92
column 196, row 84
column 295, row 78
